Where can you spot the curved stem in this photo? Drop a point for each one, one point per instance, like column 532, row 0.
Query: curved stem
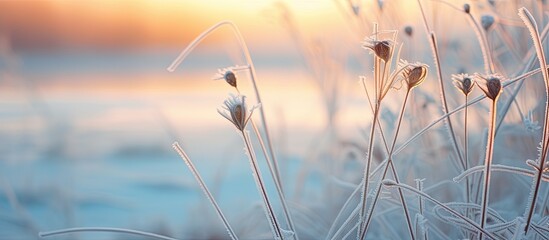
column 528, row 66
column 500, row 168
column 533, row 28
column 250, row 63
column 102, row 229
column 484, row 47
column 390, row 183
column 434, row 48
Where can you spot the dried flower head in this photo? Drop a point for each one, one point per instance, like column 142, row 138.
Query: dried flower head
column 228, row 74
column 355, row 8
column 490, row 85
column 413, row 73
column 487, row 21
column 466, row 8
column 235, row 110
column 408, row 30
column 382, row 48
column 463, row 82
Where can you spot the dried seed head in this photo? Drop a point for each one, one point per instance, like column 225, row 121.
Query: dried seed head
column 380, row 4
column 414, row 73
column 235, row 110
column 487, row 21
column 490, row 85
column 356, row 9
column 467, row 8
column 408, row 30
column 229, row 74
column 463, row 82
column 230, row 78
column 382, row 49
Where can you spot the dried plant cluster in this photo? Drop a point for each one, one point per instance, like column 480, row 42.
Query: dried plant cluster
column 497, row 192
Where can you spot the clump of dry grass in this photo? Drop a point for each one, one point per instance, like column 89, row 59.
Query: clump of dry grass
column 444, row 209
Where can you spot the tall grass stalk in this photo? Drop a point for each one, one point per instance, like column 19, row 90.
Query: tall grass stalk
column 377, row 106
column 465, row 152
column 273, row 222
column 391, row 183
column 277, row 184
column 250, row 63
column 501, row 168
column 484, row 46
column 367, row 171
column 434, row 48
column 204, row 188
column 419, row 186
column 487, row 165
column 530, row 23
column 103, row 229
column 526, row 68
column 383, row 82
column 364, row 229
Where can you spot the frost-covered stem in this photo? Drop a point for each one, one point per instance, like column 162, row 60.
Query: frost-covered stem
column 467, row 187
column 364, row 228
column 513, row 96
column 366, row 176
column 434, row 48
column 391, row 183
column 378, row 123
column 484, row 47
column 404, row 204
column 419, row 185
column 450, row 113
column 250, row 63
column 487, row 164
column 204, row 188
column 103, row 229
column 273, row 222
column 278, row 187
column 357, row 189
column 370, row 213
column 530, row 23
column 501, row 168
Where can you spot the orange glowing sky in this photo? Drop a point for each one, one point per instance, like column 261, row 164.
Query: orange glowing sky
column 46, row 24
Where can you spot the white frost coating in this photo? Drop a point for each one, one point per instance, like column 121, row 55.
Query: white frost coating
column 500, row 168
column 392, row 183
column 205, row 189
column 530, row 23
column 101, row 229
column 269, row 212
